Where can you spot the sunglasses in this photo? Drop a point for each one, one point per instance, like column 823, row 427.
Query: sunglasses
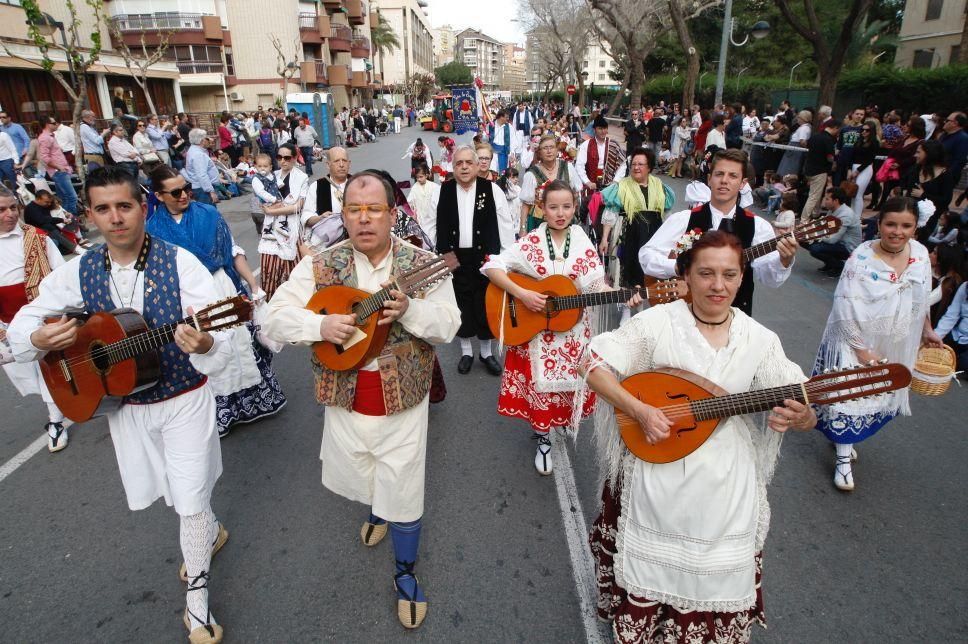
column 865, row 129
column 283, row 157
column 176, row 193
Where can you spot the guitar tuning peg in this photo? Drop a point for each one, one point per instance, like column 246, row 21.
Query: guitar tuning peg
column 882, row 361
column 828, row 370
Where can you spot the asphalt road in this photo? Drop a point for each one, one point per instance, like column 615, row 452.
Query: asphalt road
column 884, row 564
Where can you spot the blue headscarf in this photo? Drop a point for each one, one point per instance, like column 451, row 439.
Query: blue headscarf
column 203, row 232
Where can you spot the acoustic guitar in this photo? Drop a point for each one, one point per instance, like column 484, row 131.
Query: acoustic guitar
column 116, row 355
column 808, row 231
column 370, row 338
column 696, row 406
column 563, row 308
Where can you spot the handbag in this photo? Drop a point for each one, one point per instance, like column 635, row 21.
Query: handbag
column 888, row 172
column 849, row 187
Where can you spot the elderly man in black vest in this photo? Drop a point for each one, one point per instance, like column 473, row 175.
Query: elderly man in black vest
column 325, row 196
column 728, row 174
column 473, row 221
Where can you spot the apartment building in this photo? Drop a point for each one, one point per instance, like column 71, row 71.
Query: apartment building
column 483, row 54
column 515, row 69
column 411, row 24
column 443, row 45
column 29, row 94
column 598, row 64
column 224, row 52
column 931, row 33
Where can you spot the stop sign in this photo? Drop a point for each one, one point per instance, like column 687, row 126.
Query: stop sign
column 570, row 89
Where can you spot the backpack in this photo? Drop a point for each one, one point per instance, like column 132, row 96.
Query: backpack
column 265, row 138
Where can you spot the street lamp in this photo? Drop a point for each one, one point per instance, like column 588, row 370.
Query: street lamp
column 46, row 26
column 738, row 76
column 790, row 84
column 759, row 30
column 584, row 77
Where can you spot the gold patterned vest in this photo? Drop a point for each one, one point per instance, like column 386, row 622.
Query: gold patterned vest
column 406, row 362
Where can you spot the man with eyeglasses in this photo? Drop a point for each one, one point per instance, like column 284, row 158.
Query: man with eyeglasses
column 17, row 132
column 955, row 142
column 374, row 446
column 324, row 198
column 58, row 169
column 635, row 132
column 200, row 170
column 473, row 221
column 92, row 142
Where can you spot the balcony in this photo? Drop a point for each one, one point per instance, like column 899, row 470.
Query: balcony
column 338, row 75
column 360, row 47
column 333, row 5
column 340, row 39
column 374, row 19
column 313, row 71
column 355, row 12
column 313, row 29
column 181, row 29
column 361, row 80
column 199, row 67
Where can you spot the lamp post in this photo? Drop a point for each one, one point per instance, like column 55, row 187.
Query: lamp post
column 759, row 30
column 738, row 76
column 47, row 26
column 584, row 77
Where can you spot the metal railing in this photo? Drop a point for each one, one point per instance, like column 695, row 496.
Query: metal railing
column 146, row 22
column 199, row 67
column 308, row 21
column 360, row 41
column 341, row 31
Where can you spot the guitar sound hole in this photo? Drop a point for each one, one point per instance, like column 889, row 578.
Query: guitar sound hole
column 100, row 357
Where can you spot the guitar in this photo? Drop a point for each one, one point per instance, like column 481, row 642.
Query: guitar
column 563, row 308
column 116, row 355
column 808, row 231
column 696, row 406
column 368, row 342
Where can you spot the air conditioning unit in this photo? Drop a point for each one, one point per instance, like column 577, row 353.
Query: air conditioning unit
column 236, row 96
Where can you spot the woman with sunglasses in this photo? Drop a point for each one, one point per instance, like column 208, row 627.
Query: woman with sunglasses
column 866, row 150
column 142, row 143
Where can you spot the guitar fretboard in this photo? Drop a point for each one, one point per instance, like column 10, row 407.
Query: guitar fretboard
column 750, row 402
column 594, row 299
column 763, row 248
column 137, row 344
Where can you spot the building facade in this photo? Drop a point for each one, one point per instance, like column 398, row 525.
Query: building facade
column 409, row 21
column 29, row 93
column 325, row 46
column 483, row 54
column 515, row 70
column 930, row 33
column 444, row 43
column 598, row 64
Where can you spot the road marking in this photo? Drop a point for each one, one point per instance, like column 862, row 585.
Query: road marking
column 582, row 566
column 11, row 466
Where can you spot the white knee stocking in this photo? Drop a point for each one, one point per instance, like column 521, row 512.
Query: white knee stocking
column 466, row 348
column 196, row 536
column 54, row 414
column 485, row 348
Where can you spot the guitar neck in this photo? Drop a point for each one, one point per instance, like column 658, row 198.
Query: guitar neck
column 594, row 299
column 135, row 345
column 761, row 249
column 749, row 402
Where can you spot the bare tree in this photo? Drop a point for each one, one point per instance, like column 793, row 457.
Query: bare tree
column 138, row 65
column 79, row 58
column 830, row 57
column 692, row 54
column 566, row 25
column 285, row 67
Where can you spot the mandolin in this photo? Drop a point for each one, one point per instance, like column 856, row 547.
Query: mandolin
column 369, row 339
column 805, row 233
column 696, row 406
column 563, row 308
column 116, row 355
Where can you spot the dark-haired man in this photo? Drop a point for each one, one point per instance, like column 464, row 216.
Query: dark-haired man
column 834, row 250
column 374, row 446
column 164, row 436
column 727, row 176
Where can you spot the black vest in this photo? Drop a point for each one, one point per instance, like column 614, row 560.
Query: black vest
column 487, row 237
column 743, row 226
column 324, row 196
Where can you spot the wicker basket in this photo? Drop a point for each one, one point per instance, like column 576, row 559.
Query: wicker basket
column 933, row 370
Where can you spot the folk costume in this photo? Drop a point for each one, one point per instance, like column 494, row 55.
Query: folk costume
column 277, row 253
column 751, row 230
column 473, row 223
column 600, row 162
column 27, row 256
column 540, row 378
column 375, row 438
column 323, row 196
column 423, row 200
column 506, row 141
column 535, row 177
column 634, row 213
column 165, row 437
column 248, row 390
column 678, row 545
column 878, row 310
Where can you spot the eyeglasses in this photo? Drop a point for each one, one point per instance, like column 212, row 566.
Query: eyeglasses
column 480, row 158
column 176, row 193
column 141, row 124
column 357, row 209
column 865, row 129
column 283, row 157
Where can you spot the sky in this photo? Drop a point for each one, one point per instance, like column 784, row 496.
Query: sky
column 493, row 17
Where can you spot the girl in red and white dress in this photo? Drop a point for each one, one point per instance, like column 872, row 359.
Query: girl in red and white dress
column 541, row 377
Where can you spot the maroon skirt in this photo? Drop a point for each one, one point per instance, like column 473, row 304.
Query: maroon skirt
column 638, row 619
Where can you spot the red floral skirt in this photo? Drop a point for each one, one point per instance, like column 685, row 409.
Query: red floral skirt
column 519, row 399
column 637, row 619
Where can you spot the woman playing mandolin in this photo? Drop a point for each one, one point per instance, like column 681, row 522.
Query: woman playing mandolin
column 678, row 545
column 540, row 377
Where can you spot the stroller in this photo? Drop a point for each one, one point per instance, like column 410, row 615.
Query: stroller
column 382, row 127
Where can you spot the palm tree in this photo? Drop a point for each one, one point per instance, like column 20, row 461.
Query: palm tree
column 384, row 39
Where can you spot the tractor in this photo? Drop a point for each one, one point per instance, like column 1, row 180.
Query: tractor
column 441, row 119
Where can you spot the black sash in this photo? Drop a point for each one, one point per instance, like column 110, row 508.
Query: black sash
column 743, row 225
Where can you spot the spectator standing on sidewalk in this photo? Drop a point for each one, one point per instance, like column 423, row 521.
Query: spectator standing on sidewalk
column 305, row 136
column 58, row 169
column 200, row 170
column 9, row 161
column 17, row 132
column 159, row 139
column 819, row 164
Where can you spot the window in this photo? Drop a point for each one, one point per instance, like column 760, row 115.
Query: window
column 933, row 12
column 601, row 64
column 15, row 3
column 601, row 77
column 584, row 63
column 923, row 59
column 229, row 63
column 955, row 52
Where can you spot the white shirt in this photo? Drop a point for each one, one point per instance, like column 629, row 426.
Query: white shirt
column 654, row 256
column 529, row 183
column 583, row 159
column 717, row 138
column 514, row 145
column 423, row 199
column 60, row 292
column 336, row 198
column 121, row 150
column 506, row 225
column 7, row 148
column 64, row 136
column 12, row 254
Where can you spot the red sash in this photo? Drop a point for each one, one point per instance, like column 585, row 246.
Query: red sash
column 369, row 394
column 12, row 299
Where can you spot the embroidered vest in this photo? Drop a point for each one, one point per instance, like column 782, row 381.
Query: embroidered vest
column 743, row 226
column 162, row 305
column 36, row 268
column 406, row 363
column 540, row 178
column 486, row 238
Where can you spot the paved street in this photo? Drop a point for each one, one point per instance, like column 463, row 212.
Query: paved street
column 884, row 564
